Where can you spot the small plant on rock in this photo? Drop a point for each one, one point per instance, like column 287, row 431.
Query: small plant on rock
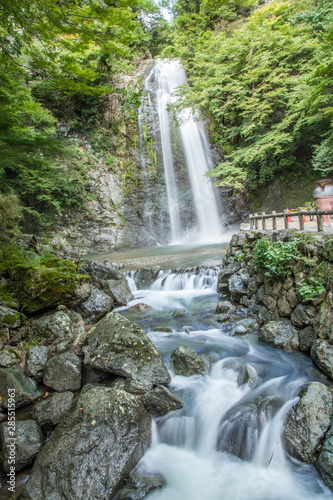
column 275, row 258
column 240, row 257
column 311, row 289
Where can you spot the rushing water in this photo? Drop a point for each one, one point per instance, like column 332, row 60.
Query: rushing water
column 170, row 75
column 226, row 443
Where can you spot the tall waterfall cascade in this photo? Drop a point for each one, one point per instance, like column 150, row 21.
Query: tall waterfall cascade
column 192, row 205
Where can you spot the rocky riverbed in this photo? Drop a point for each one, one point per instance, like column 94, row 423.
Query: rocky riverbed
column 87, row 380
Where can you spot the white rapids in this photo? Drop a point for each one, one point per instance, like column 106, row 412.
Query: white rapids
column 226, row 443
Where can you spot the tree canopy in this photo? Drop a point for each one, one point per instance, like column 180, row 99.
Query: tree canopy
column 262, row 76
column 54, row 55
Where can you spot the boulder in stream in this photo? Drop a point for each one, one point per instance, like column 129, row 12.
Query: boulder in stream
column 322, row 355
column 119, row 291
column 223, row 306
column 187, row 362
column 308, row 421
column 117, row 345
column 237, row 284
column 146, row 276
column 93, row 450
column 160, row 401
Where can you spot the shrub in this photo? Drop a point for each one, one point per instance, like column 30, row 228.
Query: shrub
column 275, row 258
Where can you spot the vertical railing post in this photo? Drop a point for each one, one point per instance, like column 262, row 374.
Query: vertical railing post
column 274, row 220
column 286, row 221
column 251, row 221
column 319, row 221
column 300, row 218
column 263, row 221
column 256, row 221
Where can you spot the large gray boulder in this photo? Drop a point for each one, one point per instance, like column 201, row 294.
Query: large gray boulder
column 119, row 291
column 160, row 401
column 187, row 362
column 60, row 328
column 117, row 345
column 36, row 360
column 279, row 334
column 27, row 443
column 93, row 450
column 308, row 421
column 63, row 372
column 48, row 412
column 146, row 276
column 97, row 306
column 100, row 272
column 325, row 459
column 24, row 387
column 322, row 355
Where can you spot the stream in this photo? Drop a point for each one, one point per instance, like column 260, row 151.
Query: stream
column 226, row 443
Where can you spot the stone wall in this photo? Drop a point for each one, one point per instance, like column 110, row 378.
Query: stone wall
column 287, row 320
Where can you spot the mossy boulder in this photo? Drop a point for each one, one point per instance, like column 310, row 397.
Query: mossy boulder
column 93, row 450
column 49, row 284
column 116, row 345
column 9, row 317
column 7, row 298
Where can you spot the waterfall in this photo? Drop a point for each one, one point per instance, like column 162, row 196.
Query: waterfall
column 168, row 76
column 163, row 99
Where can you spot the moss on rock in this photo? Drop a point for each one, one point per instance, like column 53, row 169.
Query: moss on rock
column 47, row 284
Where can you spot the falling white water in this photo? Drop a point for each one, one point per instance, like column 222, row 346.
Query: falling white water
column 203, row 279
column 166, row 85
column 171, row 75
column 203, row 192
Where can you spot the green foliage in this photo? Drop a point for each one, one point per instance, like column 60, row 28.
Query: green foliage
column 275, row 258
column 327, row 251
column 239, row 257
column 311, row 289
column 57, row 61
column 33, row 343
column 265, row 85
column 10, row 213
